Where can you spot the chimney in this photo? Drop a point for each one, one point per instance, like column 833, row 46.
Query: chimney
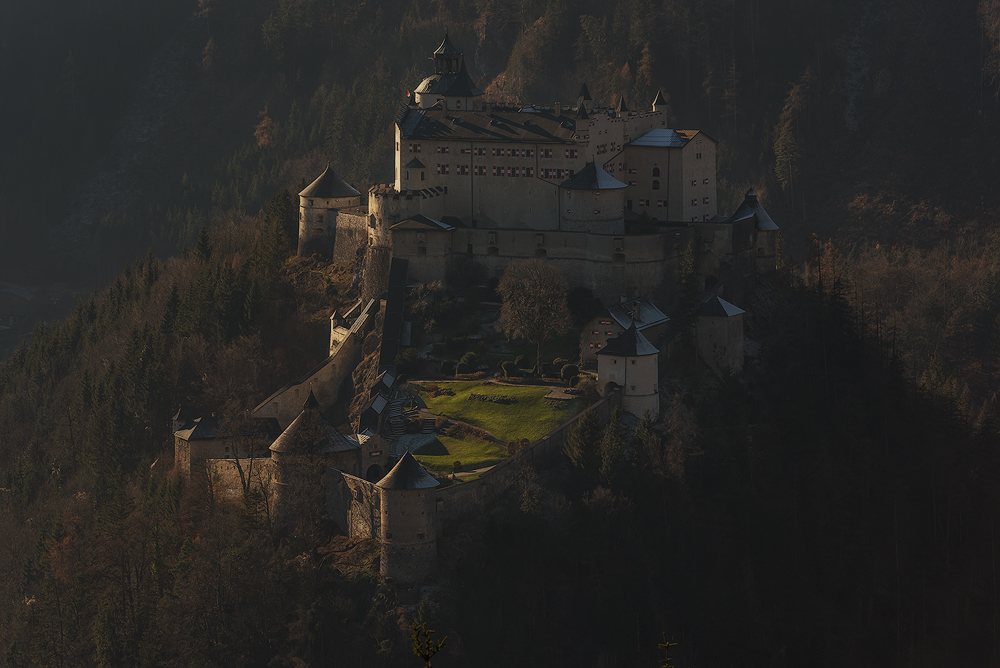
column 558, row 109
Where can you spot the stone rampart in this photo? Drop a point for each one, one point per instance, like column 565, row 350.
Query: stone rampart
column 324, row 380
column 354, row 504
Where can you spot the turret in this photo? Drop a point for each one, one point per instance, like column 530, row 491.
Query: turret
column 584, row 99
column 450, row 84
column 622, row 110
column 631, row 362
column 409, row 525
column 318, row 206
column 660, row 102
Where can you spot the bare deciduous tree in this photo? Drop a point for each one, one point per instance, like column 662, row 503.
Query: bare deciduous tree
column 534, row 302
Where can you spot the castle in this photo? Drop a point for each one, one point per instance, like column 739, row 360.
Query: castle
column 610, row 196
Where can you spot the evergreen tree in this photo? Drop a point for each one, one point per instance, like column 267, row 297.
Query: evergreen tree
column 582, row 447
column 204, row 247
column 613, row 450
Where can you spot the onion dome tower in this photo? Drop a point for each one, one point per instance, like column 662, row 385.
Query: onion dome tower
column 450, row 84
column 409, row 526
column 631, row 362
column 318, row 205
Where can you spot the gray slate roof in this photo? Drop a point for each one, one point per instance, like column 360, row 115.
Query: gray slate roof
column 446, row 47
column 199, row 429
column 592, row 177
column 329, row 185
column 501, row 124
column 310, row 433
column 752, row 208
column 419, row 222
column 659, row 99
column 630, row 343
column 641, row 311
column 717, row 307
column 408, row 474
column 415, row 164
column 662, row 137
column 584, row 93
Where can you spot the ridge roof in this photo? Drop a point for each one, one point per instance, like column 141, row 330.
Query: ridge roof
column 450, row 85
column 329, row 185
column 750, row 207
column 717, row 307
column 584, row 93
column 621, row 105
column 408, row 474
column 630, row 343
column 592, row 177
column 659, row 99
column 310, row 433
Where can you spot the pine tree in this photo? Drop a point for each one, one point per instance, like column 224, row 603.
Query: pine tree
column 582, row 448
column 613, row 450
column 204, row 247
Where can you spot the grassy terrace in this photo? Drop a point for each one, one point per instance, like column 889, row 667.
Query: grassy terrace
column 531, row 417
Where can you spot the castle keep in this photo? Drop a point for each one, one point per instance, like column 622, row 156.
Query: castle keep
column 610, row 196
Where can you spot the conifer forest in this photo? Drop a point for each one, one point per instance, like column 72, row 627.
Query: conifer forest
column 835, row 503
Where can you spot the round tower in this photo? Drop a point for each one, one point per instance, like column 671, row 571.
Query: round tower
column 300, row 456
column 318, row 206
column 592, row 201
column 409, row 527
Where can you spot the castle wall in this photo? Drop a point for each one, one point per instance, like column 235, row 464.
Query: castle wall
column 636, row 165
column 720, row 342
column 612, row 267
column 324, row 381
column 350, row 235
column 317, row 219
column 354, row 504
column 592, row 211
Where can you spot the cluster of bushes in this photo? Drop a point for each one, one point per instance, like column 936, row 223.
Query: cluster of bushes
column 465, row 430
column 436, row 391
column 493, row 398
column 515, row 446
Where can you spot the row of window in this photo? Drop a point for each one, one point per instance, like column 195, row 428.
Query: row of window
column 497, row 152
column 694, row 182
column 500, row 170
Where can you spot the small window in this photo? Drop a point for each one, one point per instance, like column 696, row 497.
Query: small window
column 656, row 171
column 423, row 176
column 633, row 387
column 633, row 364
column 694, row 202
column 656, row 185
column 694, row 182
column 705, row 182
column 420, row 536
column 706, row 201
column 421, row 251
column 310, row 202
column 697, row 156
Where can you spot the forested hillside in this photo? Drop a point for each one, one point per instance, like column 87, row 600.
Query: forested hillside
column 837, row 508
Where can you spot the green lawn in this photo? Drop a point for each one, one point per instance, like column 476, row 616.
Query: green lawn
column 440, row 455
column 531, row 417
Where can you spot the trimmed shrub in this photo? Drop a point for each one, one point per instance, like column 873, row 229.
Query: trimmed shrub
column 574, row 381
column 569, row 371
column 558, row 363
column 463, row 368
column 470, row 359
column 588, row 390
column 510, row 369
column 520, row 361
column 457, row 466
